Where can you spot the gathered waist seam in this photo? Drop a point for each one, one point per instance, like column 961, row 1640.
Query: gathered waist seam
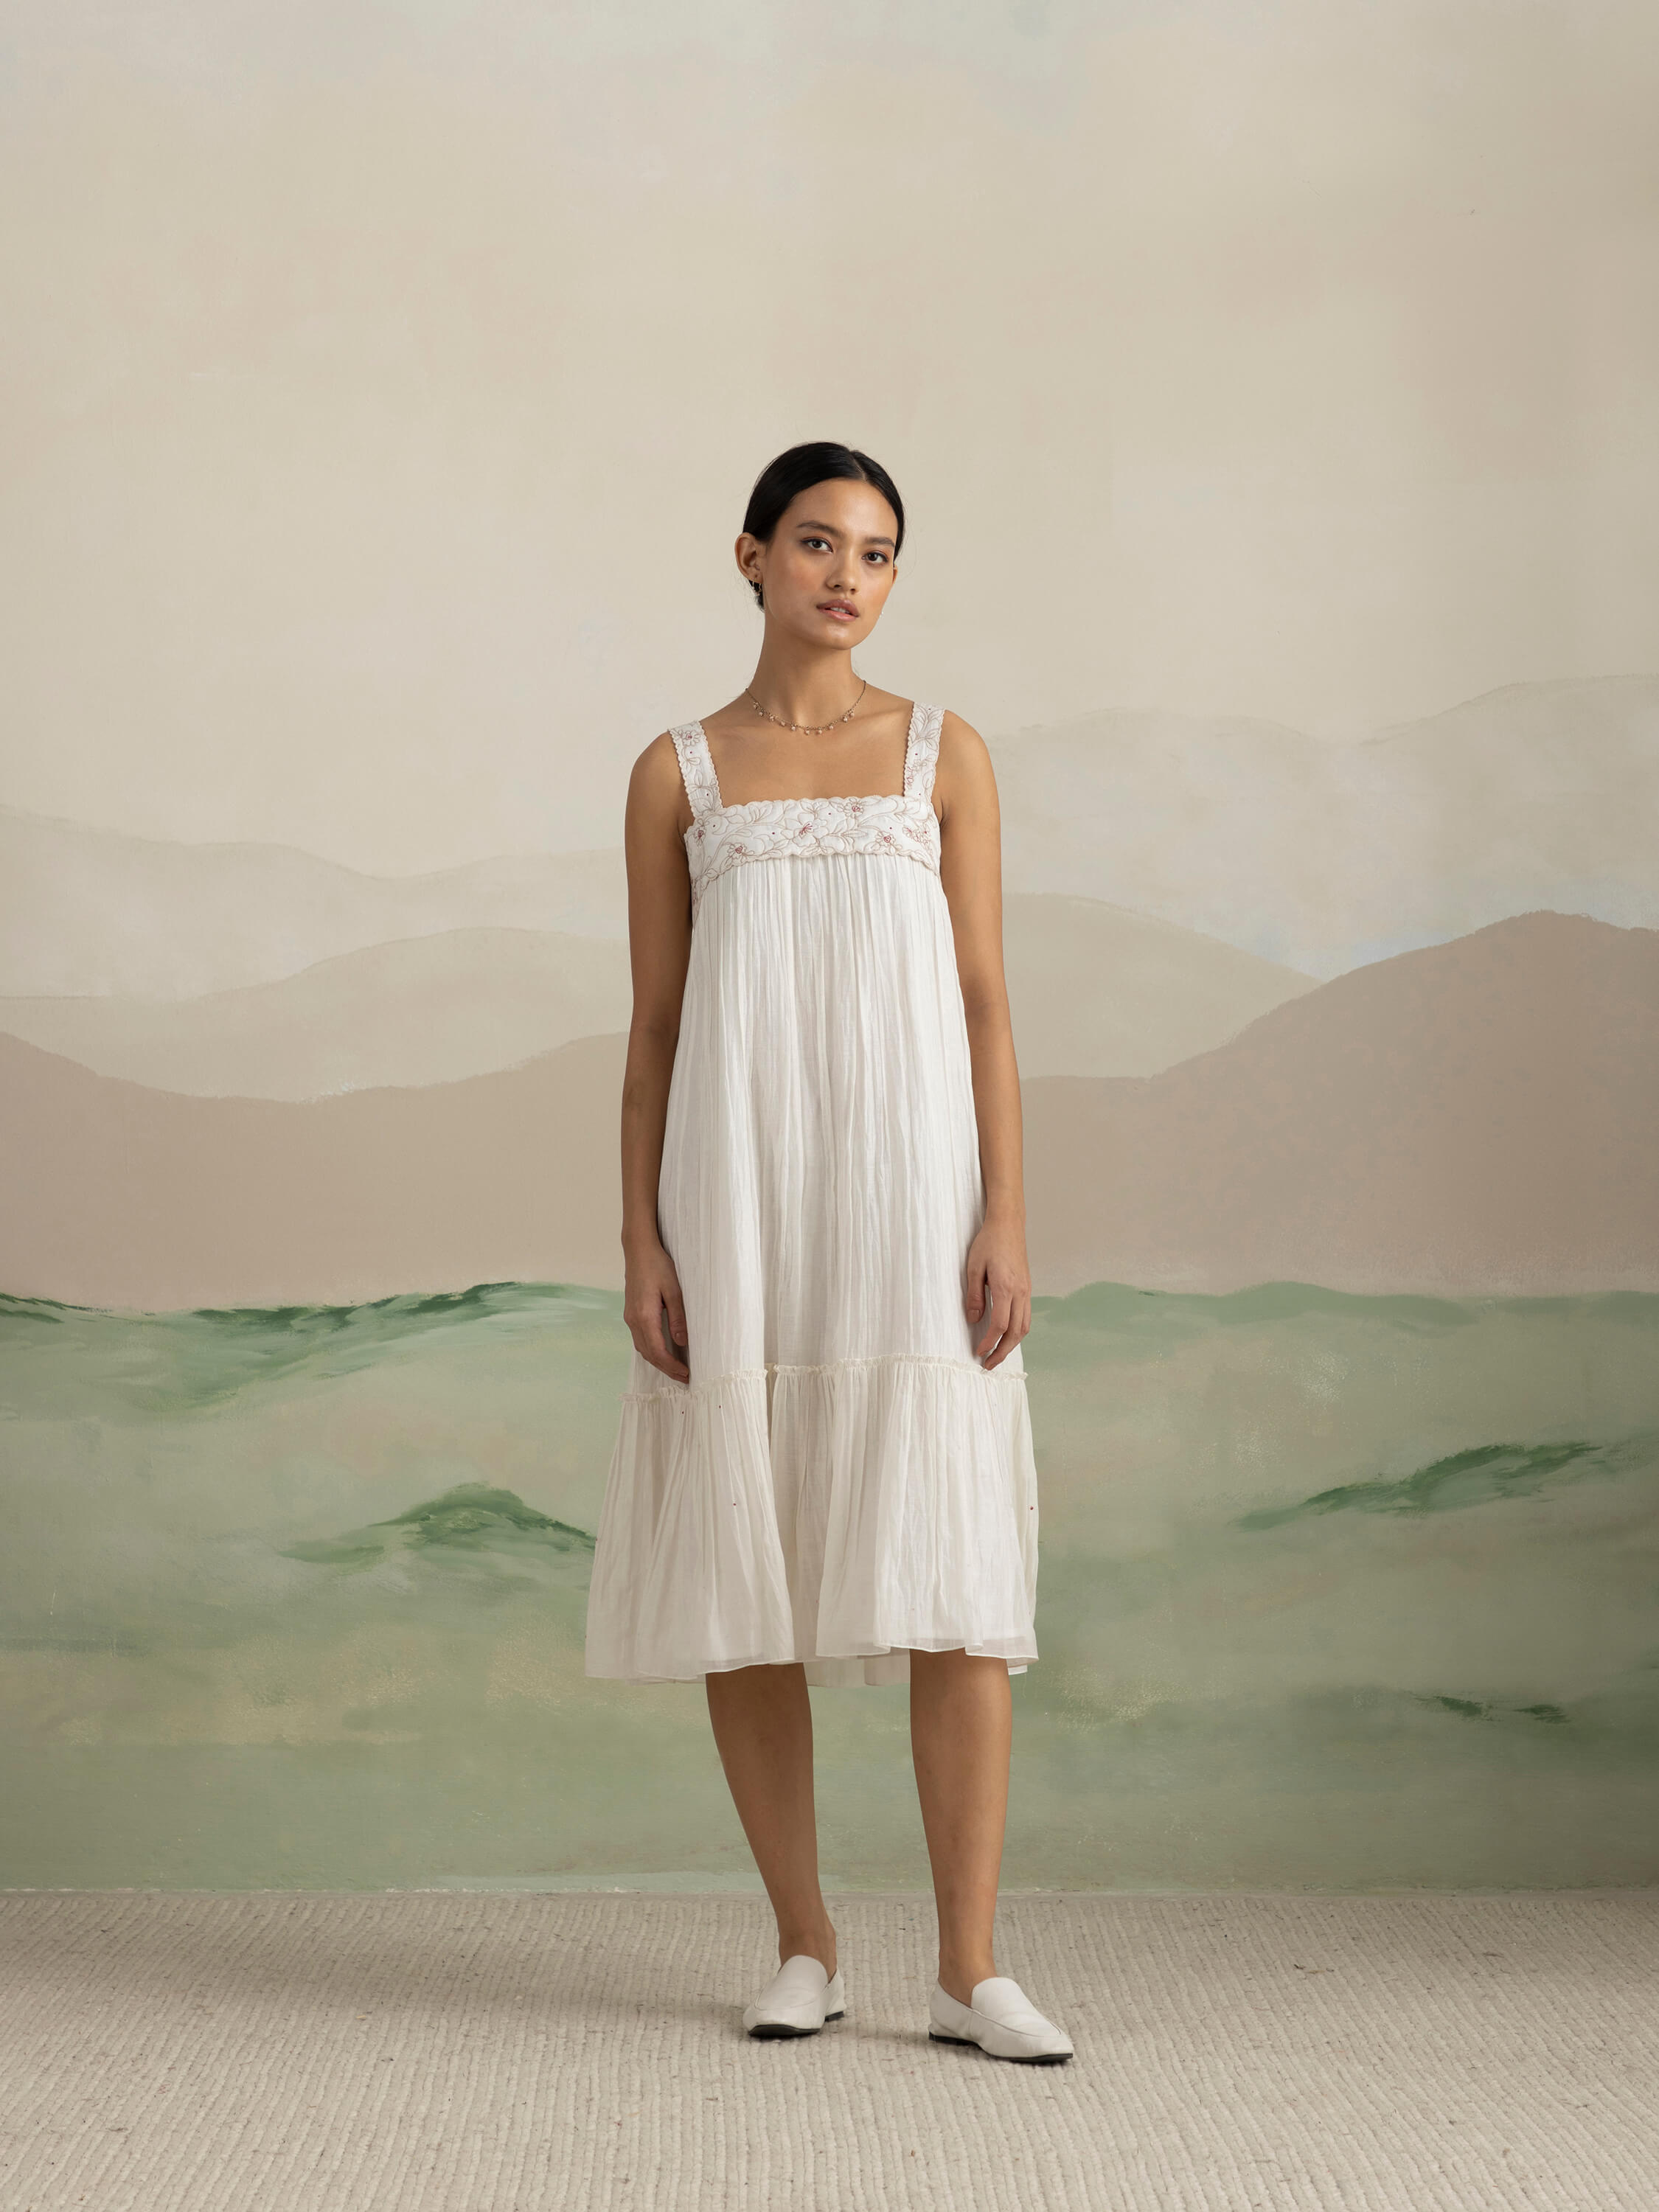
column 682, row 1390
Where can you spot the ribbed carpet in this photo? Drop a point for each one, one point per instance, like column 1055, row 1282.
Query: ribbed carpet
column 189, row 2053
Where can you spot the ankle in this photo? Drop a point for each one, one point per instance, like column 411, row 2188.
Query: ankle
column 960, row 1980
column 818, row 1943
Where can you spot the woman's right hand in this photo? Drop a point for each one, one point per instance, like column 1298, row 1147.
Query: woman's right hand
column 651, row 1298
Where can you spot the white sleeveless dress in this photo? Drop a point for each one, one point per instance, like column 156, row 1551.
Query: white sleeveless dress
column 841, row 1480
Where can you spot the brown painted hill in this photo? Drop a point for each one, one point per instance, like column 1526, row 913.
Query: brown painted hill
column 114, row 1195
column 1477, row 1116
column 1481, row 1115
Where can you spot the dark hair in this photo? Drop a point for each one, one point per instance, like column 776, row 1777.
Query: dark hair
column 797, row 472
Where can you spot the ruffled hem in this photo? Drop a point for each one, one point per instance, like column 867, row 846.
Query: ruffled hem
column 836, row 1516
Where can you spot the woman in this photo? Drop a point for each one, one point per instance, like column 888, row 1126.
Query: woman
column 823, row 1471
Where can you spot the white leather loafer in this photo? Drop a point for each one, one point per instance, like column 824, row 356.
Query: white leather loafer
column 1002, row 2020
column 798, row 2000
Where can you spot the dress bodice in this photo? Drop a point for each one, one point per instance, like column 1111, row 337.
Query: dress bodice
column 722, row 837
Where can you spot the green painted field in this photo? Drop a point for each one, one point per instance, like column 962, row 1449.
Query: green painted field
column 1336, row 1592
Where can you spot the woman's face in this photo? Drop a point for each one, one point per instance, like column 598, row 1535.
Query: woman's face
column 828, row 568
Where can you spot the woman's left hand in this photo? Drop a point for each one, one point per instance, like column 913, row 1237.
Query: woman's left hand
column 998, row 1291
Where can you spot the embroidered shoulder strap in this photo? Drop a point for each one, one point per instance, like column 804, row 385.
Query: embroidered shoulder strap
column 921, row 751
column 697, row 768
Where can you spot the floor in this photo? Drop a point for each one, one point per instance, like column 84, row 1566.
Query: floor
column 459, row 2052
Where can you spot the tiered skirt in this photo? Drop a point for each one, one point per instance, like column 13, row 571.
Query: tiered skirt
column 837, row 1516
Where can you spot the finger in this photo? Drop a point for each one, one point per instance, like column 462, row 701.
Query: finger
column 997, row 1322
column 667, row 1358
column 654, row 1355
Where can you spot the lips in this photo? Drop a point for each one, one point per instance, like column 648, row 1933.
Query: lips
column 838, row 607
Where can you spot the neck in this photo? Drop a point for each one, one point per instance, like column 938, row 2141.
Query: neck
column 804, row 684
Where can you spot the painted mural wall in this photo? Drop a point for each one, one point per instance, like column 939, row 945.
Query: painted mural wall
column 1274, row 394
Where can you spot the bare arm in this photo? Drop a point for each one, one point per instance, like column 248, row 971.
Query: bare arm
column 660, row 950
column 998, row 1289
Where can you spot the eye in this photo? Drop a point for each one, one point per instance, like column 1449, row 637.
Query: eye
column 815, row 541
column 875, row 557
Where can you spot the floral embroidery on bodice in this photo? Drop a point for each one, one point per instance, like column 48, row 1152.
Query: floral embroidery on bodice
column 722, row 837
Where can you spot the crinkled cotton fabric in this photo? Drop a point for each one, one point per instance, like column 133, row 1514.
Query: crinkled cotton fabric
column 841, row 1481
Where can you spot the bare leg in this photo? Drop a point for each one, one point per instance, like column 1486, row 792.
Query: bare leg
column 962, row 1725
column 762, row 1722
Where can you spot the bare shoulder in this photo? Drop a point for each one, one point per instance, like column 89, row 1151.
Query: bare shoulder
column 959, row 740
column 657, row 769
column 965, row 777
column 656, row 790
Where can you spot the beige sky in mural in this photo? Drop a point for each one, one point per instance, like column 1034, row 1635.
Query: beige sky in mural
column 382, row 393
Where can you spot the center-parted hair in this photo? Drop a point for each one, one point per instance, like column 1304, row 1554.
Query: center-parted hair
column 797, row 472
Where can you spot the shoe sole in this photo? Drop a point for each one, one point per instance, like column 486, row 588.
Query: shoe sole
column 1017, row 2057
column 768, row 2029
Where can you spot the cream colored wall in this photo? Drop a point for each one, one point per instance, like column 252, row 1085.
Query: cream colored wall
column 383, row 387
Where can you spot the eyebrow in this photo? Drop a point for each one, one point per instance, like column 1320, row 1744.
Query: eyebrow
column 830, row 530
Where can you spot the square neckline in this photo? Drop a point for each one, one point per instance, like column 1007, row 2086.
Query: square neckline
column 834, row 798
